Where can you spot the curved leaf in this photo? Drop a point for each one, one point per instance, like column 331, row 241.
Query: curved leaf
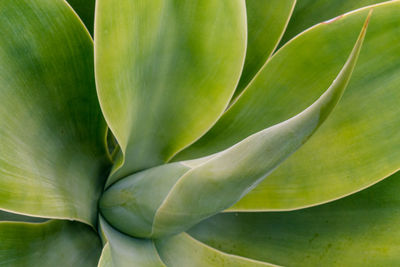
column 188, row 192
column 158, row 73
column 128, row 251
column 53, row 243
column 105, row 258
column 85, row 10
column 266, row 23
column 356, row 146
column 359, row 230
column 52, row 155
column 182, row 251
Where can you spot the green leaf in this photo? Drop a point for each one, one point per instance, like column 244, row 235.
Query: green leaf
column 173, row 197
column 356, row 146
column 310, row 12
column 53, row 243
column 183, row 251
column 266, row 23
column 359, row 230
column 105, row 258
column 52, row 154
column 165, row 72
column 128, row 251
column 85, row 10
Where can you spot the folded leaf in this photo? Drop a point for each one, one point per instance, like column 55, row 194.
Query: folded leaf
column 183, row 251
column 356, row 147
column 187, row 192
column 52, row 153
column 266, row 23
column 128, row 251
column 53, row 243
column 165, row 72
column 359, row 230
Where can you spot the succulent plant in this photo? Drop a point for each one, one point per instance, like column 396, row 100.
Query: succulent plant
column 170, row 133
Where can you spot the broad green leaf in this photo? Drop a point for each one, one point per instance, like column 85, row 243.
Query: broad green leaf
column 128, row 251
column 165, row 72
column 53, row 243
column 266, row 23
column 183, row 251
column 356, row 147
column 307, row 13
column 52, row 155
column 85, row 10
column 12, row 217
column 172, row 197
column 359, row 230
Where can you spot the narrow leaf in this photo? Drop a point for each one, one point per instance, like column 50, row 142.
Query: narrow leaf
column 266, row 23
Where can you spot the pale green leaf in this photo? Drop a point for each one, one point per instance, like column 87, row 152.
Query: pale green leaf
column 356, row 146
column 359, row 230
column 171, row 198
column 266, row 23
column 52, row 155
column 165, row 72
column 105, row 258
column 183, row 251
column 53, row 243
column 128, row 251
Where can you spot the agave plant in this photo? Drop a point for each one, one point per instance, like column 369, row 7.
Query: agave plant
column 199, row 133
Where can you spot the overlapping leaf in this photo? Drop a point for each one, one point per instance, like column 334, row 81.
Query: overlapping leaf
column 171, row 198
column 266, row 23
column 355, row 148
column 127, row 251
column 160, row 67
column 359, row 230
column 52, row 155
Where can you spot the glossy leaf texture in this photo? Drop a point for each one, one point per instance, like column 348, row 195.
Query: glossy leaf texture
column 127, row 251
column 85, row 10
column 355, row 147
column 53, row 243
column 182, row 250
column 266, row 23
column 307, row 13
column 52, row 155
column 359, row 230
column 162, row 65
column 170, row 198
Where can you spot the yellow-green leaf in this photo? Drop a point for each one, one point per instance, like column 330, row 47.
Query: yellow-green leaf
column 162, row 65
